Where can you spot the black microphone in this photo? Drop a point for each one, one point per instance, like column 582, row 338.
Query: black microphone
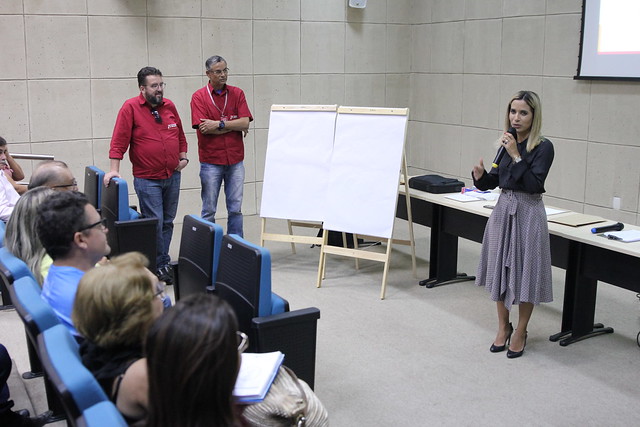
column 502, row 150
column 613, row 227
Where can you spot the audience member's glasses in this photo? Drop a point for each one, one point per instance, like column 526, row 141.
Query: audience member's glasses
column 102, row 223
column 74, row 183
column 155, row 86
column 156, row 116
column 243, row 341
column 160, row 287
column 219, row 72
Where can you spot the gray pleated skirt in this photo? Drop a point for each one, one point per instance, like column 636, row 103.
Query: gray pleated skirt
column 515, row 262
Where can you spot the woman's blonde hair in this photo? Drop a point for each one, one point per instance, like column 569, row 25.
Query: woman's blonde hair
column 533, row 101
column 20, row 237
column 114, row 303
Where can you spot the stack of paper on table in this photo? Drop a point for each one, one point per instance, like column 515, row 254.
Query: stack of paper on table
column 472, row 196
column 575, row 219
column 257, row 372
column 624, row 236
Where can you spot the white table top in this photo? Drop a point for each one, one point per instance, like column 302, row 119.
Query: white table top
column 580, row 234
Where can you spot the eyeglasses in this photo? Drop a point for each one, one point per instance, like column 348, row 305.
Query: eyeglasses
column 102, row 222
column 74, row 183
column 243, row 341
column 155, row 86
column 156, row 116
column 160, row 288
column 219, row 72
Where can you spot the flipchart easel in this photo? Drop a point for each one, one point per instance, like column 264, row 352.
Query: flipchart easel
column 366, row 165
column 299, row 148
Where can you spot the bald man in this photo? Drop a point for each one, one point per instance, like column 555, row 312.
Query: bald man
column 54, row 174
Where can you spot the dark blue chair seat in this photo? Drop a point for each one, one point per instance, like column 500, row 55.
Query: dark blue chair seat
column 198, row 258
column 244, row 281
column 128, row 231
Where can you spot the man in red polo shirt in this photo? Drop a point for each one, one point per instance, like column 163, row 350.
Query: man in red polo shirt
column 149, row 126
column 221, row 116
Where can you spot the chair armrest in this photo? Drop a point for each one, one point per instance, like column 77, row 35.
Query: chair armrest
column 294, row 334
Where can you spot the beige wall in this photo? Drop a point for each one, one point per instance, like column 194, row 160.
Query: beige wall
column 469, row 57
column 66, row 67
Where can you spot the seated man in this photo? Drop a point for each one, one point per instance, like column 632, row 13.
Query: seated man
column 75, row 237
column 8, row 194
column 54, row 174
column 10, row 168
column 7, row 416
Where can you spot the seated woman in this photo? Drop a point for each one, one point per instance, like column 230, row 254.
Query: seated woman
column 20, row 237
column 115, row 306
column 193, row 361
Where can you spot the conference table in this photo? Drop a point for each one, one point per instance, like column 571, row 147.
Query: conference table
column 586, row 258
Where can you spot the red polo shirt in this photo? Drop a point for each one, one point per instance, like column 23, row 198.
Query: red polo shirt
column 154, row 148
column 228, row 148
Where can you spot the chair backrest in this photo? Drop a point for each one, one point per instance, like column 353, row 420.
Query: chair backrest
column 3, row 228
column 75, row 384
column 244, row 280
column 102, row 414
column 115, row 202
column 14, row 267
column 93, row 185
column 37, row 315
column 25, row 292
column 11, row 268
column 198, row 256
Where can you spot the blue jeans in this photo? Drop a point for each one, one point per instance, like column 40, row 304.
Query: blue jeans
column 159, row 199
column 211, row 178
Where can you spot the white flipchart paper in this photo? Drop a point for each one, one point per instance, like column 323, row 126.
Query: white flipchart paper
column 296, row 172
column 364, row 175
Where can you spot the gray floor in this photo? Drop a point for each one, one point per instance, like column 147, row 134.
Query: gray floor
column 422, row 356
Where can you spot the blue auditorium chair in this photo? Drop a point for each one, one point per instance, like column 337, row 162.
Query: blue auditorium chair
column 93, row 185
column 6, row 297
column 244, row 281
column 75, row 385
column 3, row 228
column 37, row 316
column 198, row 256
column 102, row 414
column 128, row 231
column 12, row 268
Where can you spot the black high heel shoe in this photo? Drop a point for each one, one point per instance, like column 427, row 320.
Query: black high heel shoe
column 515, row 354
column 498, row 348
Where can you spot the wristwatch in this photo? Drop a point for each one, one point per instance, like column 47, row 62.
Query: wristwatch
column 221, row 125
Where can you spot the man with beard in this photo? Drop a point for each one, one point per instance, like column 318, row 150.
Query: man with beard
column 149, row 126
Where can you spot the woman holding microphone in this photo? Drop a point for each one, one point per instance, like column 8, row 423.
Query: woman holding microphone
column 515, row 263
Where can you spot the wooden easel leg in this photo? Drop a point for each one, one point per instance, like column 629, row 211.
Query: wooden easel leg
column 293, row 245
column 263, row 227
column 405, row 172
column 321, row 263
column 355, row 246
column 386, row 270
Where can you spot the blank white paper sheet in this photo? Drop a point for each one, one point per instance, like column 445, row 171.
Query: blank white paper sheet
column 365, row 171
column 299, row 149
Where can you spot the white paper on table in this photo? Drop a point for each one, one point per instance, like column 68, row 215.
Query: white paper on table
column 461, row 197
column 552, row 211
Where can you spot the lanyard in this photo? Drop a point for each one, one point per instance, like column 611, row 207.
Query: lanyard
column 214, row 104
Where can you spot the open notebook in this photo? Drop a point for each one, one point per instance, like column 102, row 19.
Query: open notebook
column 257, row 372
